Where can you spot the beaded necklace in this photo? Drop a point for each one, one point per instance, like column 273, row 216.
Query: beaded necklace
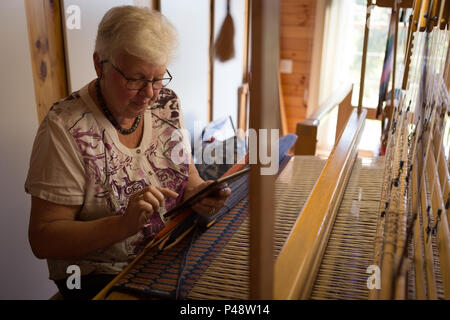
column 109, row 115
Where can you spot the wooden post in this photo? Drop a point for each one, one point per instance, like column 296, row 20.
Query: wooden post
column 243, row 89
column 394, row 64
column 364, row 57
column 156, row 5
column 408, row 51
column 422, row 18
column 47, row 53
column 209, row 116
column 246, row 41
column 307, row 137
column 444, row 15
column 284, row 125
column 242, row 107
column 344, row 112
column 263, row 103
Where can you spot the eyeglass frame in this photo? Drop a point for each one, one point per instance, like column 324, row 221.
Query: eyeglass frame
column 144, row 80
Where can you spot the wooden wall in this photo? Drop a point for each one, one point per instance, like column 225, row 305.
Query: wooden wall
column 47, row 53
column 296, row 43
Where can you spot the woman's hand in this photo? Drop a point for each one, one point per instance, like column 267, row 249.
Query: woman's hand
column 212, row 203
column 141, row 205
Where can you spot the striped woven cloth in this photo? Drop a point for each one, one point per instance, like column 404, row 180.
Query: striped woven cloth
column 172, row 273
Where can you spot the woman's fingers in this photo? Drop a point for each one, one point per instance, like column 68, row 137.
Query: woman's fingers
column 212, row 202
column 168, row 192
column 154, row 196
column 156, row 199
column 143, row 218
column 204, row 210
column 208, row 206
column 151, row 198
column 145, row 206
column 224, row 192
column 203, row 185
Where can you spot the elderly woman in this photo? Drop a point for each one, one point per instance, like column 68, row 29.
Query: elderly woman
column 101, row 173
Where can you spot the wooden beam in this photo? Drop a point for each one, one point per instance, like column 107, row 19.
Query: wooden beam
column 243, row 89
column 364, row 57
column 416, row 15
column 246, row 41
column 447, row 71
column 156, row 5
column 265, row 32
column 242, row 107
column 408, row 52
column 435, row 14
column 284, row 124
column 371, row 114
column 307, row 137
column 394, row 12
column 47, row 53
column 209, row 115
column 391, row 3
column 423, row 19
column 444, row 15
column 344, row 113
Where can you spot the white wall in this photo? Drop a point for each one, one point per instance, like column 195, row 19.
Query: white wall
column 80, row 41
column 228, row 75
column 22, row 276
column 189, row 69
column 191, row 66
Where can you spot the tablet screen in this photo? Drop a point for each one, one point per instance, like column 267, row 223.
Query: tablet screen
column 206, row 191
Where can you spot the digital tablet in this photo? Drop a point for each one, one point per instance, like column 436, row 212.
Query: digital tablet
column 206, row 191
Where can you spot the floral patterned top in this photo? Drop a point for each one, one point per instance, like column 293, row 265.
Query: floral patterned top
column 77, row 159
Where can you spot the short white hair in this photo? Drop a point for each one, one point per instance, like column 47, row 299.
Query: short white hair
column 140, row 32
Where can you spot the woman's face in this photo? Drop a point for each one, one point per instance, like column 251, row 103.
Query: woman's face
column 121, row 101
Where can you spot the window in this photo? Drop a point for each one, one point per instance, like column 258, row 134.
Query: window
column 379, row 26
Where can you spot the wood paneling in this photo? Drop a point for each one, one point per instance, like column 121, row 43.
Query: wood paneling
column 296, row 55
column 292, row 89
column 294, row 79
column 303, row 46
column 47, row 53
column 296, row 32
column 296, row 40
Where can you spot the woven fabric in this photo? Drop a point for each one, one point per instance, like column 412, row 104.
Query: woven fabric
column 158, row 274
column 172, row 273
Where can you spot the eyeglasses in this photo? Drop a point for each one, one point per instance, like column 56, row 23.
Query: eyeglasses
column 139, row 84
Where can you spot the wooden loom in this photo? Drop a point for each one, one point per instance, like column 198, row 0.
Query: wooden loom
column 318, row 235
column 399, row 215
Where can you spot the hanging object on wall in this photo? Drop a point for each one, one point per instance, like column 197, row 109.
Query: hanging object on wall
column 224, row 46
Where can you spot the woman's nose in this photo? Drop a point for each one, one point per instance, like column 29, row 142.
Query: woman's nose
column 147, row 91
